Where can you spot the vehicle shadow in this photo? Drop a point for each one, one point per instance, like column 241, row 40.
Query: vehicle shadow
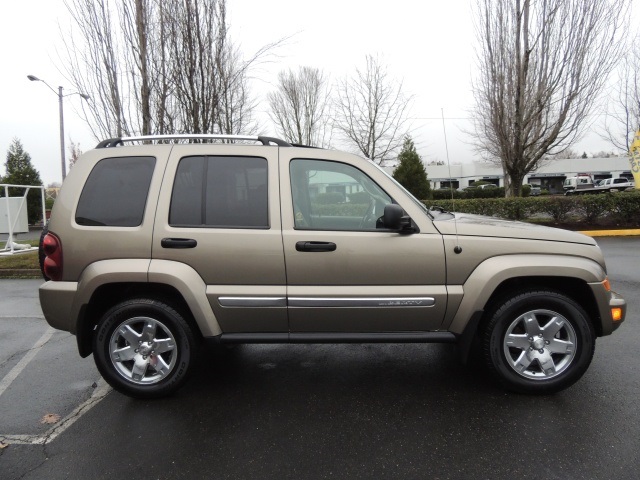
column 337, row 373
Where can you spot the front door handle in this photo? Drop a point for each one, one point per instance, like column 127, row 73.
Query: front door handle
column 178, row 243
column 315, row 246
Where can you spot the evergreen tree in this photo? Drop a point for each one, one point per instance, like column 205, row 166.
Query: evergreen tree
column 21, row 172
column 411, row 173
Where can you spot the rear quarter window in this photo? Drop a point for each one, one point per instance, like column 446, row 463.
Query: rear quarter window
column 115, row 193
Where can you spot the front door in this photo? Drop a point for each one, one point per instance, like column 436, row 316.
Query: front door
column 345, row 273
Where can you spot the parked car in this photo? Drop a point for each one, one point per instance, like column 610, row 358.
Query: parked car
column 155, row 244
column 616, row 184
column 604, row 186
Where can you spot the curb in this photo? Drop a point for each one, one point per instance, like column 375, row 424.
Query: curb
column 611, row 233
column 8, row 273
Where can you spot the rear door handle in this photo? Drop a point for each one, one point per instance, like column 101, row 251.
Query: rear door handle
column 178, row 243
column 315, row 246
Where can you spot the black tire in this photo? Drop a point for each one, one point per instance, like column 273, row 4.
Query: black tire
column 41, row 255
column 144, row 348
column 538, row 342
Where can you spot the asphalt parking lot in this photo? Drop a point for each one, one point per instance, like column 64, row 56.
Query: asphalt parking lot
column 325, row 411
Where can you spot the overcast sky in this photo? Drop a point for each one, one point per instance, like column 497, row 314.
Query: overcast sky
column 428, row 45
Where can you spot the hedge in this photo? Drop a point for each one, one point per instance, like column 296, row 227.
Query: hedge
column 622, row 207
column 498, row 192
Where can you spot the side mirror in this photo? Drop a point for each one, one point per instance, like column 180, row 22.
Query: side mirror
column 394, row 219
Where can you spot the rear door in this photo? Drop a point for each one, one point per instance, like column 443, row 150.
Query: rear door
column 344, row 272
column 219, row 214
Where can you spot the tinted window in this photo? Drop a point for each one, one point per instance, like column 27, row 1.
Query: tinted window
column 115, row 193
column 221, row 192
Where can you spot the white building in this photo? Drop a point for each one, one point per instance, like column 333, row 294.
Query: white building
column 549, row 177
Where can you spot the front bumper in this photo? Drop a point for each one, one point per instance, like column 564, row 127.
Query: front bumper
column 607, row 300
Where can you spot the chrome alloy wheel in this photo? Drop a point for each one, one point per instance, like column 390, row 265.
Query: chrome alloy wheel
column 540, row 344
column 143, row 350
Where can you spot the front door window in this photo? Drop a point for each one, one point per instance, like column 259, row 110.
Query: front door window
column 335, row 196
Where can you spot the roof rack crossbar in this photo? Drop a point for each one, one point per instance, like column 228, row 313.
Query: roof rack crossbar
column 114, row 142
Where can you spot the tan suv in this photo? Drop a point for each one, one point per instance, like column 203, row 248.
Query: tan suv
column 153, row 247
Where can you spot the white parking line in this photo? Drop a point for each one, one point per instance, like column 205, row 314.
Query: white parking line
column 101, row 391
column 33, row 351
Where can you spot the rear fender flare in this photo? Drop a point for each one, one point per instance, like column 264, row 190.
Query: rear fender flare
column 177, row 275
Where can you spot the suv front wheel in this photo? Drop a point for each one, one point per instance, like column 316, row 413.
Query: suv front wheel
column 538, row 342
column 144, row 348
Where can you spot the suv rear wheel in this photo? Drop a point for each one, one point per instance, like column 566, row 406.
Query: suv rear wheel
column 144, row 348
column 538, row 342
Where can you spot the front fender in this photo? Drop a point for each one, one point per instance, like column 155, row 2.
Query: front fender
column 489, row 274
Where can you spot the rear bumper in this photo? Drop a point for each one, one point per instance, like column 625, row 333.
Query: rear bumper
column 56, row 301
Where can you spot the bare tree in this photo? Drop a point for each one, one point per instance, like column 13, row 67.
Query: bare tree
column 137, row 22
column 159, row 66
column 622, row 119
column 372, row 111
column 74, row 153
column 563, row 154
column 299, row 107
column 198, row 34
column 235, row 104
column 96, row 69
column 603, row 154
column 541, row 66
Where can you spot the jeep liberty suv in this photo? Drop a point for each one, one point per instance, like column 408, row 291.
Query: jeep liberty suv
column 156, row 243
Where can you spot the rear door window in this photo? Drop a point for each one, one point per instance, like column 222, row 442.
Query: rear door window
column 220, row 192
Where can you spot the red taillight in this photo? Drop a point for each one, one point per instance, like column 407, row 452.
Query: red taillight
column 53, row 263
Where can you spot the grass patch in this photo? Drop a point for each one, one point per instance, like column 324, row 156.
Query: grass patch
column 21, row 265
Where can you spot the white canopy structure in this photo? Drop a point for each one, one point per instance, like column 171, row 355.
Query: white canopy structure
column 13, row 216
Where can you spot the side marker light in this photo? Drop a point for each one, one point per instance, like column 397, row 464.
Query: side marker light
column 616, row 314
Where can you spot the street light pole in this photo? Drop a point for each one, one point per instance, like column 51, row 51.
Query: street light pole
column 60, row 106
column 62, row 155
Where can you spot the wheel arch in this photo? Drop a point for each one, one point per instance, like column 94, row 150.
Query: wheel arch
column 574, row 288
column 108, row 282
column 108, row 295
column 498, row 277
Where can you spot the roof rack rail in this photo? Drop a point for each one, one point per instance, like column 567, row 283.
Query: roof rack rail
column 114, row 142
